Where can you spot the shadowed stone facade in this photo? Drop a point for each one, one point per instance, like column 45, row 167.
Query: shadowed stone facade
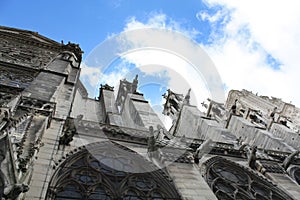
column 57, row 143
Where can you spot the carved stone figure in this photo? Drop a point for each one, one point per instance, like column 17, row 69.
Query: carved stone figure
column 173, row 103
column 286, row 163
column 107, row 87
column 134, row 84
column 234, row 107
column 5, row 98
column 152, row 146
column 160, row 133
column 255, row 116
column 203, row 149
column 187, row 97
column 13, row 191
column 272, row 115
column 69, row 130
column 252, row 157
column 74, row 48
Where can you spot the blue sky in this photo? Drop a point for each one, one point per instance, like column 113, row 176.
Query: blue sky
column 90, row 22
column 253, row 44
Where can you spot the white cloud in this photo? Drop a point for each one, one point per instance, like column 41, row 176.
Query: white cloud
column 256, row 30
column 161, row 21
column 203, row 16
column 90, row 74
column 173, row 53
column 250, row 31
column 160, row 62
column 93, row 76
column 179, row 73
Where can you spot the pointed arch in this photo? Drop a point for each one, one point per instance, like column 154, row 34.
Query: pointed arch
column 229, row 181
column 294, row 172
column 107, row 170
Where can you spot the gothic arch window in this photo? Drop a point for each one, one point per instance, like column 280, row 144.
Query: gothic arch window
column 106, row 171
column 230, row 181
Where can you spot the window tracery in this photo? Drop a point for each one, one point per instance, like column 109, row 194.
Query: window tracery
column 230, row 181
column 105, row 174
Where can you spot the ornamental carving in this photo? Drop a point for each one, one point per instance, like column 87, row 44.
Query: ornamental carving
column 5, row 98
column 25, row 55
column 230, row 181
column 173, row 104
column 43, row 107
column 69, row 130
column 30, row 142
column 232, row 96
column 15, row 78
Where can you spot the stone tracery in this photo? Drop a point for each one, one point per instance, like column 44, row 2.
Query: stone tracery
column 108, row 173
column 230, row 181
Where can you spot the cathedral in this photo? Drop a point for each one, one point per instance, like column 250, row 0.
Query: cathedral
column 57, row 143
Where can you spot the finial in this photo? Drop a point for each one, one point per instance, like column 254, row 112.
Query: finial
column 187, row 97
column 135, row 83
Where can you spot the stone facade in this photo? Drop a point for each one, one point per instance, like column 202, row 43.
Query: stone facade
column 57, row 143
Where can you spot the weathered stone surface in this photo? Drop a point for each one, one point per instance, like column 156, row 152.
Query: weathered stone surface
column 252, row 135
column 190, row 182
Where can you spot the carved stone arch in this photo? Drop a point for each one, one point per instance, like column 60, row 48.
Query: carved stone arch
column 230, row 181
column 294, row 172
column 70, row 188
column 107, row 170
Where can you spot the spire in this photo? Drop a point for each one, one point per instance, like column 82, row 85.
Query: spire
column 173, row 103
column 125, row 88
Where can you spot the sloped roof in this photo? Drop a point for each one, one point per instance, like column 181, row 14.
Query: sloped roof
column 27, row 35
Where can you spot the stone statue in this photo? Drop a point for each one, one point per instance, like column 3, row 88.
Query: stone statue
column 152, row 146
column 234, row 107
column 252, row 157
column 134, row 84
column 239, row 141
column 203, row 149
column 187, row 97
column 288, row 160
column 13, row 191
column 255, row 117
column 160, row 133
column 204, row 105
column 5, row 98
column 69, row 130
column 107, row 87
column 272, row 115
column 173, row 103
